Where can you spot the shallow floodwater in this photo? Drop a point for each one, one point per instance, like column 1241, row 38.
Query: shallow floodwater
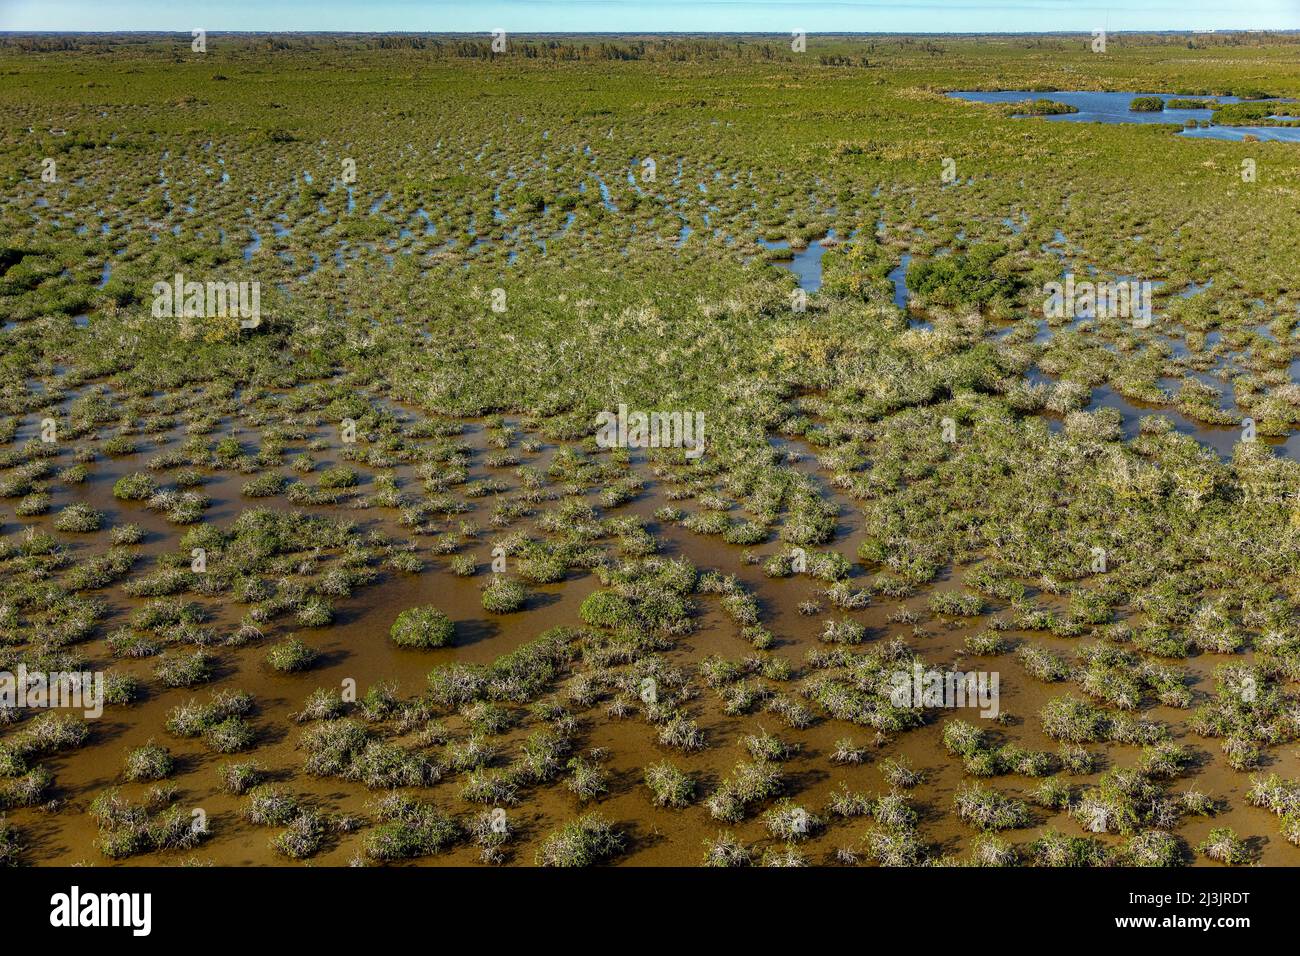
column 357, row 646
column 805, row 263
column 1094, row 107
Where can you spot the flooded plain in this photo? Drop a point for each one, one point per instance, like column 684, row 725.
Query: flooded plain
column 910, row 464
column 356, row 648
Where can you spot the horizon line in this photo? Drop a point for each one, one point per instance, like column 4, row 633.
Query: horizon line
column 1227, row 31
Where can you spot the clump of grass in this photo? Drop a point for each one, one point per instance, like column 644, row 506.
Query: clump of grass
column 136, row 486
column 291, row 656
column 422, row 627
column 1223, row 846
column 988, row 809
column 303, row 837
column 78, row 518
column 240, row 777
column 150, row 762
column 748, row 785
column 409, row 828
column 127, row 829
column 502, row 595
column 585, row 841
column 184, row 670
column 724, row 850
column 669, row 786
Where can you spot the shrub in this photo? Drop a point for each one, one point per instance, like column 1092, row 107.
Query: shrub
column 136, row 486
column 291, row 655
column 502, row 595
column 1224, row 846
column 78, row 518
column 607, row 609
column 239, row 778
column 423, row 627
column 581, row 842
column 10, row 844
column 987, row 809
column 725, row 850
column 270, row 805
column 304, row 836
column 338, row 477
column 409, row 828
column 184, row 670
column 150, row 762
column 669, row 786
column 229, row 736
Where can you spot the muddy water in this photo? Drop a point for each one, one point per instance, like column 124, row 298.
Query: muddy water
column 357, row 647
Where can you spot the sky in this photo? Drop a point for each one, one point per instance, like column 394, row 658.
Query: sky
column 609, row 16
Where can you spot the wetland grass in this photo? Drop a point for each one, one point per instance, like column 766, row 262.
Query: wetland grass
column 470, row 633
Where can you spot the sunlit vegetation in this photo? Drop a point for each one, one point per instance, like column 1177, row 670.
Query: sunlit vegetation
column 574, row 655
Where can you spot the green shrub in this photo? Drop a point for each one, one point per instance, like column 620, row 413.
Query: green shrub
column 422, row 627
column 291, row 655
column 136, row 486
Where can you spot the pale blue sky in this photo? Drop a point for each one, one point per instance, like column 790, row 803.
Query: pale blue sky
column 591, row 16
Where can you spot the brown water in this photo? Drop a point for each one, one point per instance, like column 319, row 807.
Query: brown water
column 357, row 646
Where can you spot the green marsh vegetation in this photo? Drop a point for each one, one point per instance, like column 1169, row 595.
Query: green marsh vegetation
column 234, row 522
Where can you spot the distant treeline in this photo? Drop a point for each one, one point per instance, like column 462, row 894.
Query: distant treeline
column 442, row 47
column 675, row 48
